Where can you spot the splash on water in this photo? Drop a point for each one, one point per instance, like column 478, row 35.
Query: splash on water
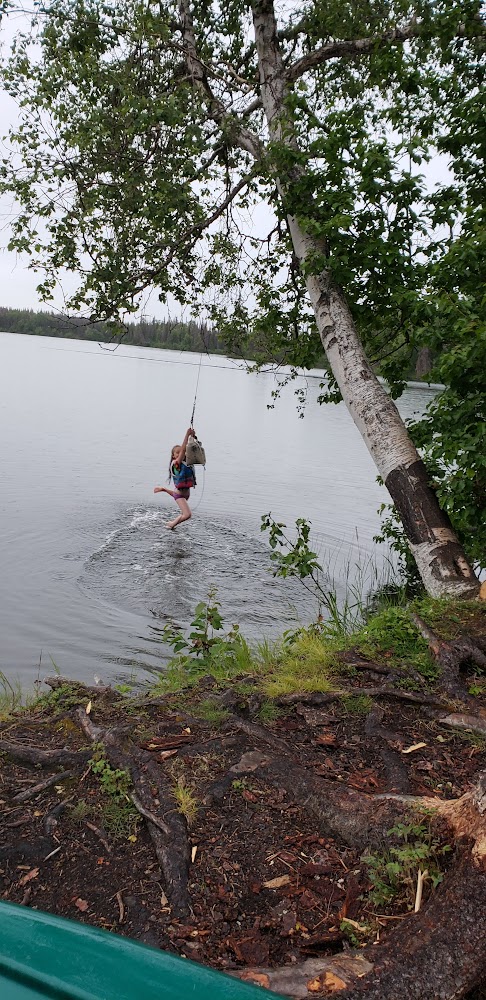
column 144, row 568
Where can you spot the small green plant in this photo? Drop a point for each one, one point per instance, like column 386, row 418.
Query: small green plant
column 393, row 874
column 476, row 689
column 80, row 811
column 186, row 800
column 207, row 647
column 355, row 933
column 113, row 781
column 393, row 535
column 336, row 617
column 392, row 634
column 239, row 784
column 119, row 815
column 474, row 739
column 65, row 696
column 308, row 663
column 121, row 819
column 297, row 559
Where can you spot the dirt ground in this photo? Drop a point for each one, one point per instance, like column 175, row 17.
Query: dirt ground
column 267, row 885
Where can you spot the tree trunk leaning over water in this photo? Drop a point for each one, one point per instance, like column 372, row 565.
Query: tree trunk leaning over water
column 440, row 559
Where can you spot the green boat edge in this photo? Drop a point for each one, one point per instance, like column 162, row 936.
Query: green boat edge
column 47, row 956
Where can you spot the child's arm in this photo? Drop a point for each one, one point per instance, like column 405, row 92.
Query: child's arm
column 182, row 450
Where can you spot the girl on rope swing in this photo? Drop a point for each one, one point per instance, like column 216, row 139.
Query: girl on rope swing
column 184, row 480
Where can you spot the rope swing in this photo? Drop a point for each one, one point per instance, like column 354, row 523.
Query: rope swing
column 195, row 454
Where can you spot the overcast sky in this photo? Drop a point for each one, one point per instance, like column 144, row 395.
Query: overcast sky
column 17, row 283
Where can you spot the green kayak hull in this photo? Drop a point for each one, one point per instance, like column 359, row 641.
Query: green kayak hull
column 46, row 956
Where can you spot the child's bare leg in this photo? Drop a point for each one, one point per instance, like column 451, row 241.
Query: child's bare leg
column 183, row 516
column 163, row 489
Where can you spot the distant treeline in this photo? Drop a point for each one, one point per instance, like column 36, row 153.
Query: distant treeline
column 171, row 335
column 146, row 333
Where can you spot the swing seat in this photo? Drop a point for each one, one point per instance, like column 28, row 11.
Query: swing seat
column 195, row 454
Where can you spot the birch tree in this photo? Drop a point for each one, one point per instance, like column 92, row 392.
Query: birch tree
column 150, row 131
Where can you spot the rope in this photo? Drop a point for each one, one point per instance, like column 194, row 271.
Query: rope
column 195, row 394
column 199, row 500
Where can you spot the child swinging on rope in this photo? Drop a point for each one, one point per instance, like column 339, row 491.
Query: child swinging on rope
column 184, row 479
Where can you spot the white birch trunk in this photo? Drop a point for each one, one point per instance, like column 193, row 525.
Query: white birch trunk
column 440, row 559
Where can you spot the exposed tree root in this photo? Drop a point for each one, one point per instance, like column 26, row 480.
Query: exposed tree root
column 154, row 801
column 356, row 818
column 353, row 658
column 395, row 767
column 458, row 720
column 43, row 758
column 259, row 733
column 320, row 698
column 51, row 818
column 437, row 953
column 451, row 657
column 84, row 689
column 303, row 980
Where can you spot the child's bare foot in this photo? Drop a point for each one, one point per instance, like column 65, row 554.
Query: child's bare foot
column 171, row 525
column 160, row 489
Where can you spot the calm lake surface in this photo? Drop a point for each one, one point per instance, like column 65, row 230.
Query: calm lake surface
column 89, row 574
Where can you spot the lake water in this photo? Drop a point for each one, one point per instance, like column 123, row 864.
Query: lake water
column 89, row 574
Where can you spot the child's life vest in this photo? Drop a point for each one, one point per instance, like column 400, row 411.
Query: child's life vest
column 183, row 475
column 195, row 454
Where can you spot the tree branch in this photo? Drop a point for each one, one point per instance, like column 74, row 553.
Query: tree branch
column 199, row 227
column 240, row 136
column 359, row 47
column 148, row 276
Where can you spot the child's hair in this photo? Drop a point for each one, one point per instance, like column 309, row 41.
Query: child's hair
column 169, row 477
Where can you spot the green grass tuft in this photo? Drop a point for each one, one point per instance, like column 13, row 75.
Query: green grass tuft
column 356, row 704
column 211, row 711
column 308, row 664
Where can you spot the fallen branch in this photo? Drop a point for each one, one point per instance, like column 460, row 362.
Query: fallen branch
column 84, row 689
column 41, row 786
column 100, row 834
column 51, row 818
column 257, row 732
column 314, row 975
column 121, row 907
